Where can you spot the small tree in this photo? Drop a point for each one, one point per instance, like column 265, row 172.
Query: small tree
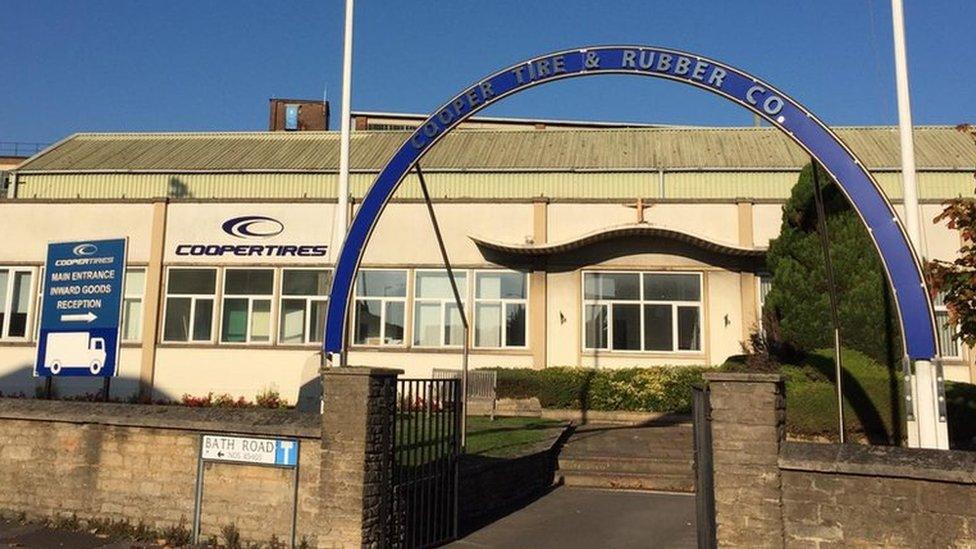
column 797, row 308
column 957, row 279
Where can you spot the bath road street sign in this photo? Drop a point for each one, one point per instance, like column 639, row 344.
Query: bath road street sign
column 81, row 309
column 261, row 451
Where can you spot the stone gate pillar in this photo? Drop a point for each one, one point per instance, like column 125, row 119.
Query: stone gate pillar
column 748, row 425
column 359, row 408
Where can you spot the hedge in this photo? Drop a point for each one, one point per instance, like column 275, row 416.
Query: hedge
column 873, row 395
column 660, row 389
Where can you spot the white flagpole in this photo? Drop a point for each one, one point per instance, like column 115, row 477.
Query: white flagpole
column 930, row 430
column 342, row 208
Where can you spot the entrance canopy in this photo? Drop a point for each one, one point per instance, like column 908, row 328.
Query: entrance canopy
column 901, row 264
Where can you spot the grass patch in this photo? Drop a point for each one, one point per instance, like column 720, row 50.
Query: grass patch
column 509, row 436
column 422, row 438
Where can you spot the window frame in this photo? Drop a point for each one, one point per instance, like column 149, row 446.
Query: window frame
column 641, row 302
column 251, row 298
column 128, row 298
column 475, row 300
column 444, row 302
column 938, row 309
column 308, row 299
column 406, row 300
column 8, row 302
column 215, row 310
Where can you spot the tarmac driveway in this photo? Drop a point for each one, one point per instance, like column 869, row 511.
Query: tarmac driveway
column 570, row 518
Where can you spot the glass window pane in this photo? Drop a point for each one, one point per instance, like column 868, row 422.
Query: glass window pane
column 946, row 332
column 176, row 327
column 437, row 285
column 381, row 283
column 672, row 287
column 261, row 320
column 192, row 281
column 515, row 325
column 688, row 329
column 135, row 282
column 367, row 322
column 427, row 324
column 132, row 319
column 595, row 318
column 248, row 281
column 611, row 285
column 317, row 322
column 453, row 327
column 21, row 302
column 292, row 328
column 488, row 325
column 626, row 327
column 310, row 283
column 393, row 328
column 657, row 328
column 234, row 324
column 500, row 285
column 203, row 320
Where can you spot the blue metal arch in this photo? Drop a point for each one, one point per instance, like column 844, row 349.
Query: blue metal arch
column 900, row 261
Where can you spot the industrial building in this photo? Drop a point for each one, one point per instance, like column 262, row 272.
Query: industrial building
column 574, row 245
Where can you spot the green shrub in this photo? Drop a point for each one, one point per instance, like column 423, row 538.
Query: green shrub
column 797, row 308
column 659, row 389
column 872, row 396
column 961, row 408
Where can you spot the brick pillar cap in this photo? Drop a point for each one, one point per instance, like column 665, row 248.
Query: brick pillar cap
column 742, row 377
column 361, row 371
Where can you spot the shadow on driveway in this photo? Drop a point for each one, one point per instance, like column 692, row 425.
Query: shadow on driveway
column 570, row 518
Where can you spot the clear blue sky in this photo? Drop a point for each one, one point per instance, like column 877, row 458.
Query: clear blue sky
column 180, row 65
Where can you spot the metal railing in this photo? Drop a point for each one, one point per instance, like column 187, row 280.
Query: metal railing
column 427, row 444
column 704, row 469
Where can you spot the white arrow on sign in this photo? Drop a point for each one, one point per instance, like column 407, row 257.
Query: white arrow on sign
column 87, row 317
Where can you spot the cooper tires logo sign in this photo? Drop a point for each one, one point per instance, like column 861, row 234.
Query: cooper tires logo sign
column 253, row 226
column 84, row 250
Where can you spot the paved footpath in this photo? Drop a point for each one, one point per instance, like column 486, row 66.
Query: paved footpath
column 37, row 536
column 570, row 518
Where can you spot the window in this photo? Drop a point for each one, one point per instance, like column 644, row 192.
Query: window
column 15, row 299
column 246, row 306
column 135, row 286
column 945, row 330
column 381, row 298
column 642, row 311
column 499, row 309
column 189, row 304
column 436, row 319
column 304, row 301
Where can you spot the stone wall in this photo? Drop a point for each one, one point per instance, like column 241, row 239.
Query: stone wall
column 748, row 424
column 139, row 463
column 844, row 495
column 773, row 493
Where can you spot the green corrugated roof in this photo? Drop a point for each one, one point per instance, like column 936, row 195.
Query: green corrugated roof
column 936, row 147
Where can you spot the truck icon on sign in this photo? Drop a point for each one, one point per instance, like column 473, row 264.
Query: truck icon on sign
column 74, row 350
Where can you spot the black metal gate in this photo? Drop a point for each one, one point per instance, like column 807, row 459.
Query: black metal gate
column 704, row 473
column 425, row 462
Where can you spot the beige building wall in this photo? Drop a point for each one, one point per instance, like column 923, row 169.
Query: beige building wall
column 403, row 239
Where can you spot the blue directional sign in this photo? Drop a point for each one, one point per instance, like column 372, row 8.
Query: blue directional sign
column 81, row 309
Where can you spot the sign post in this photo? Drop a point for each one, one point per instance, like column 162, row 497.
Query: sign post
column 269, row 452
column 81, row 309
